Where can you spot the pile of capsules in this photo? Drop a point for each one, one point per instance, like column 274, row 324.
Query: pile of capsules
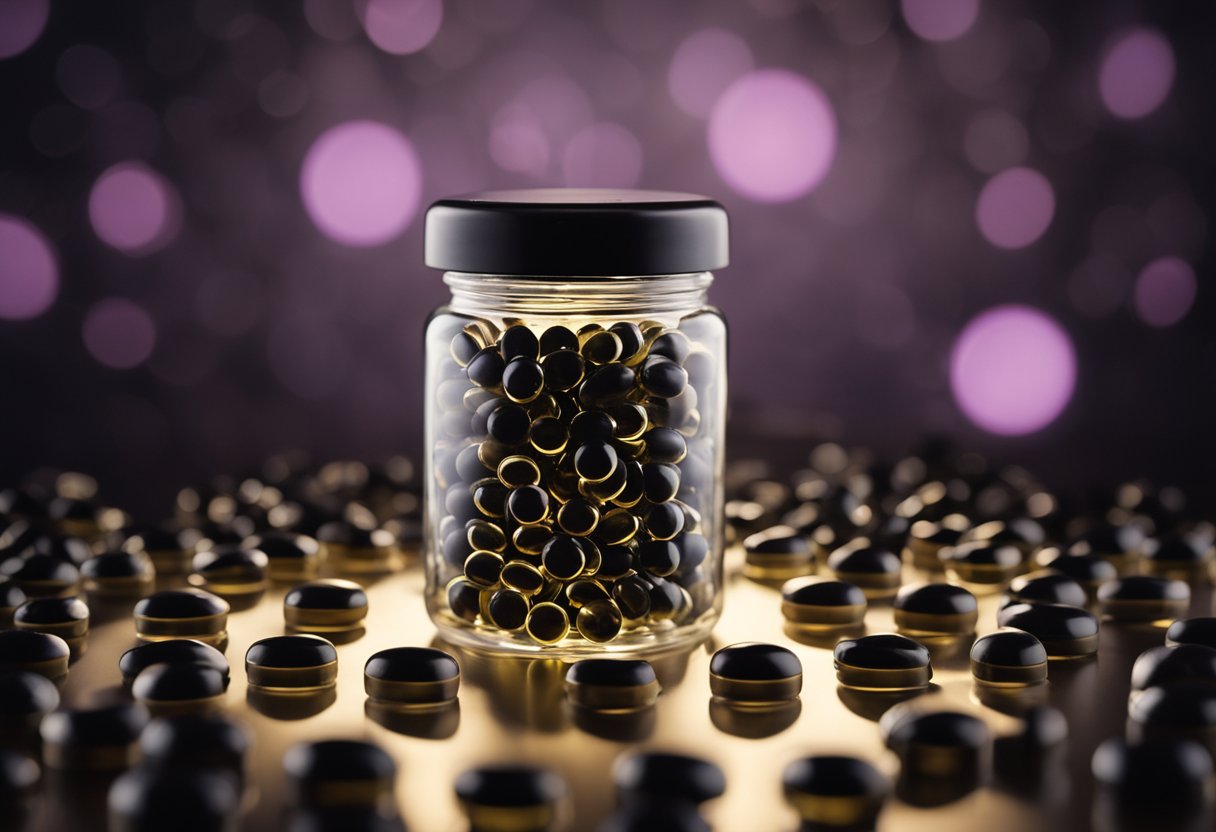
column 572, row 472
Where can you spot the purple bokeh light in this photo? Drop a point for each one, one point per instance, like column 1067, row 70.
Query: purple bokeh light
column 1015, row 207
column 361, row 182
column 940, row 20
column 1165, row 290
column 704, row 65
column 603, row 155
column 134, row 209
column 29, row 273
column 88, row 75
column 119, row 333
column 402, row 27
column 1012, row 370
column 21, row 24
column 772, row 136
column 1137, row 73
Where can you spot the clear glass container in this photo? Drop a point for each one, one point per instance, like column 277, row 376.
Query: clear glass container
column 574, row 455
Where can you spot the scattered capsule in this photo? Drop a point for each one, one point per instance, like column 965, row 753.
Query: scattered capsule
column 663, row 776
column 231, row 571
column 149, row 798
column 117, row 574
column 1089, row 571
column 67, row 618
column 40, row 653
column 935, row 610
column 1143, row 598
column 1008, row 658
column 510, row 798
column 612, row 684
column 173, row 688
column 411, row 676
column 291, row 663
column 173, row 651
column 290, row 557
column 104, row 738
column 1178, row 710
column 1179, row 556
column 1192, row 631
column 1150, row 784
column 186, row 613
column 40, row 576
column 1046, row 588
column 25, row 698
column 1181, row 663
column 831, row 792
column 326, row 606
column 190, row 742
column 981, row 566
column 777, row 553
column 882, row 662
column 1066, row 632
column 942, row 754
column 819, row 603
column 755, row 673
column 330, row 773
column 876, row 571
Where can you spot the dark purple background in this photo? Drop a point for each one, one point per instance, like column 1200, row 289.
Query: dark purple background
column 268, row 335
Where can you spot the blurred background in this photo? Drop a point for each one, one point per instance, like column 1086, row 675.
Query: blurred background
column 985, row 221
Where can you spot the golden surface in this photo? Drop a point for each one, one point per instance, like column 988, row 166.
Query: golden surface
column 510, row 710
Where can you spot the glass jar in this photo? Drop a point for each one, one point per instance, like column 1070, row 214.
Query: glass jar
column 575, row 407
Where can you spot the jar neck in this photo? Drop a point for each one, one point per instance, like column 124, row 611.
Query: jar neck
column 492, row 295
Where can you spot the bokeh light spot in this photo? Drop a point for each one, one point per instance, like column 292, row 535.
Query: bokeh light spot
column 1012, row 370
column 603, row 156
column 89, row 76
column 361, row 182
column 995, row 140
column 772, row 136
column 402, row 27
column 21, row 24
column 29, row 274
column 119, row 333
column 1137, row 73
column 134, row 209
column 1165, row 290
column 1015, row 207
column 940, row 20
column 706, row 63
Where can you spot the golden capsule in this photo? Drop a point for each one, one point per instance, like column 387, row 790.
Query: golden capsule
column 547, row 623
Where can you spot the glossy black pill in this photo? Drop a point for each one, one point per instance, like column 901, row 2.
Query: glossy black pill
column 469, row 466
column 483, row 569
column 508, row 424
column 755, row 673
column 835, row 792
column 25, row 698
column 884, row 661
column 182, row 614
column 1066, row 632
column 1192, row 631
column 672, row 345
column 562, row 370
column 606, row 385
column 179, row 687
column 612, row 684
column 1046, row 588
column 548, row 435
column 498, row 798
column 651, row 815
column 486, row 367
column 100, row 739
column 522, row 577
column 231, row 571
column 563, row 557
column 1154, row 779
column 986, row 565
column 174, row 651
column 508, row 609
column 941, row 753
column 592, row 426
column 578, row 518
column 1182, row 663
column 935, row 609
column 595, row 461
column 547, row 623
column 67, row 618
column 518, row 341
column 491, row 498
column 339, row 773
column 599, row 621
column 665, row 445
column 662, row 377
column 528, row 504
column 40, row 653
column 875, row 570
column 410, row 676
column 42, row 575
column 664, row 521
column 668, row 600
column 1143, row 598
column 777, row 553
column 148, row 799
column 633, row 597
column 195, row 741
column 117, row 573
column 602, row 347
column 1090, row 571
column 464, row 599
column 659, row 557
column 664, row 776
column 331, row 605
column 660, row 481
column 295, row 662
column 557, row 338
column 631, row 338
column 463, row 347
column 821, row 603
column 522, row 380
column 1008, row 657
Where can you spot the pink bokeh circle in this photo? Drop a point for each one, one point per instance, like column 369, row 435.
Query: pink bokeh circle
column 1165, row 291
column 1137, row 73
column 29, row 272
column 134, row 209
column 119, row 333
column 1015, row 207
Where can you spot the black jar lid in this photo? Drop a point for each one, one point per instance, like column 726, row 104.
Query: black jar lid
column 563, row 232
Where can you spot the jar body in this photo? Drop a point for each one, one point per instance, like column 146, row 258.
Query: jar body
column 574, row 454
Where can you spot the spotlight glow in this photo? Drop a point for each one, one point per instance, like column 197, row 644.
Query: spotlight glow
column 772, row 136
column 1012, row 370
column 402, row 27
column 119, row 333
column 361, row 182
column 29, row 274
column 940, row 20
column 1015, row 208
column 1165, row 291
column 706, row 63
column 603, row 156
column 1137, row 73
column 21, row 24
column 134, row 209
